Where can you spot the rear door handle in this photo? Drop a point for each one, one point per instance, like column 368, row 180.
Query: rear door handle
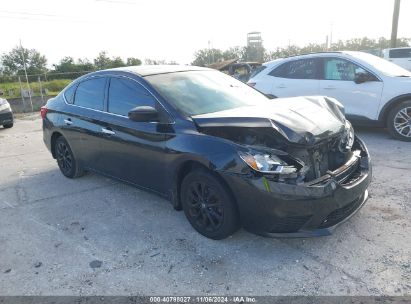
column 281, row 86
column 68, row 121
column 329, row 87
column 107, row 131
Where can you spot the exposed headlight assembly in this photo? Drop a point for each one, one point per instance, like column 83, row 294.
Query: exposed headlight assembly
column 267, row 163
column 347, row 139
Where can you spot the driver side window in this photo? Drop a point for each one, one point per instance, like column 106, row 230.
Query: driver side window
column 340, row 69
column 125, row 94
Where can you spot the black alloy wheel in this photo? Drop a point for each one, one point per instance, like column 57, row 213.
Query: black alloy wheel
column 65, row 159
column 208, row 206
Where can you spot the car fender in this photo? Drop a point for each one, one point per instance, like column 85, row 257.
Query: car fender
column 390, row 104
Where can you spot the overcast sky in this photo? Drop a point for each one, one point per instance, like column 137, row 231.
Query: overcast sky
column 175, row 29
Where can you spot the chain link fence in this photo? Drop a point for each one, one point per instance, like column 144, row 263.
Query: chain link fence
column 29, row 94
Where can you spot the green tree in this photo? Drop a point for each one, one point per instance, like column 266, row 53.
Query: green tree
column 133, row 61
column 149, row 61
column 205, row 57
column 117, row 62
column 102, row 61
column 236, row 52
column 13, row 63
column 69, row 68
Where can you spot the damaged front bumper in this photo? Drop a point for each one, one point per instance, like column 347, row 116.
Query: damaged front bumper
column 314, row 208
column 6, row 117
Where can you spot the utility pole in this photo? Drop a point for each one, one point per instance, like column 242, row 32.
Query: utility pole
column 27, row 79
column 331, row 34
column 394, row 28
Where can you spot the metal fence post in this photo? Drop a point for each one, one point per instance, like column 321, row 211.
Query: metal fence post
column 22, row 97
column 41, row 91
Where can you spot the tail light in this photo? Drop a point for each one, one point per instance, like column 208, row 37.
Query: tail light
column 43, row 112
column 251, row 84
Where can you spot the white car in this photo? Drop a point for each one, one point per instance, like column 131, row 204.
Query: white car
column 399, row 56
column 372, row 90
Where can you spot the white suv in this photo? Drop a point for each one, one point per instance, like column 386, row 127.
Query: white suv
column 372, row 90
column 399, row 56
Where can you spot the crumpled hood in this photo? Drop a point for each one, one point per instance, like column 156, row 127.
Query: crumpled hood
column 300, row 120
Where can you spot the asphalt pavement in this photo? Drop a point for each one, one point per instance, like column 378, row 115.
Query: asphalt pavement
column 97, row 236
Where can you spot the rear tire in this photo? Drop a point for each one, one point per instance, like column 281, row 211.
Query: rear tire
column 208, row 205
column 399, row 121
column 65, row 159
column 7, row 126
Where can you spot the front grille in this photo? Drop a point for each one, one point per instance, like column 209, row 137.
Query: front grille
column 339, row 214
column 353, row 177
column 289, row 224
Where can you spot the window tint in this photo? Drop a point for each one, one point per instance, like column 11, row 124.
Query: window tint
column 258, row 70
column 125, row 95
column 90, row 93
column 200, row 92
column 340, row 69
column 69, row 93
column 400, row 53
column 297, row 69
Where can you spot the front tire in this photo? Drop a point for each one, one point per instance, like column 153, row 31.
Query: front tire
column 7, row 126
column 399, row 121
column 65, row 159
column 208, row 205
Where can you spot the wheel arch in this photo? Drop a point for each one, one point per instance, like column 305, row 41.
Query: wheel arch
column 382, row 118
column 53, row 139
column 187, row 167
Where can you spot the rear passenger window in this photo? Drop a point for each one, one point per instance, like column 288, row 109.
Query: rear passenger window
column 69, row 93
column 90, row 94
column 125, row 95
column 297, row 69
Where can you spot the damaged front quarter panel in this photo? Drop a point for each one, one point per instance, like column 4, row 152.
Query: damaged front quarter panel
column 300, row 167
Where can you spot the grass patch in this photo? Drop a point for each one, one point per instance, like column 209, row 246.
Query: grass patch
column 12, row 89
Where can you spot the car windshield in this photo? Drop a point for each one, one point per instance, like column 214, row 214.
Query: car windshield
column 199, row 92
column 384, row 66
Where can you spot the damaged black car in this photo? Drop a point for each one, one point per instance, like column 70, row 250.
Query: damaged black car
column 216, row 148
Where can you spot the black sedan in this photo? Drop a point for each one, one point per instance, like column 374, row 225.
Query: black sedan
column 217, row 148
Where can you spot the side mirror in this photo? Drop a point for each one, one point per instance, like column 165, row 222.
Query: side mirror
column 143, row 114
column 362, row 77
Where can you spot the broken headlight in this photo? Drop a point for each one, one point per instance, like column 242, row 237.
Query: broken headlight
column 266, row 163
column 347, row 139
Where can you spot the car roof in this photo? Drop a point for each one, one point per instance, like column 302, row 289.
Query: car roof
column 314, row 54
column 147, row 70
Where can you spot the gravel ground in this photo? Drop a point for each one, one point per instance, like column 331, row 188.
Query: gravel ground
column 94, row 235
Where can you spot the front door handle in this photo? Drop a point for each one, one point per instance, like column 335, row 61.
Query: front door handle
column 68, row 121
column 281, row 86
column 107, row 131
column 329, row 87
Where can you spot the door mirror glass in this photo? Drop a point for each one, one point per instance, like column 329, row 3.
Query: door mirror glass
column 143, row 114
